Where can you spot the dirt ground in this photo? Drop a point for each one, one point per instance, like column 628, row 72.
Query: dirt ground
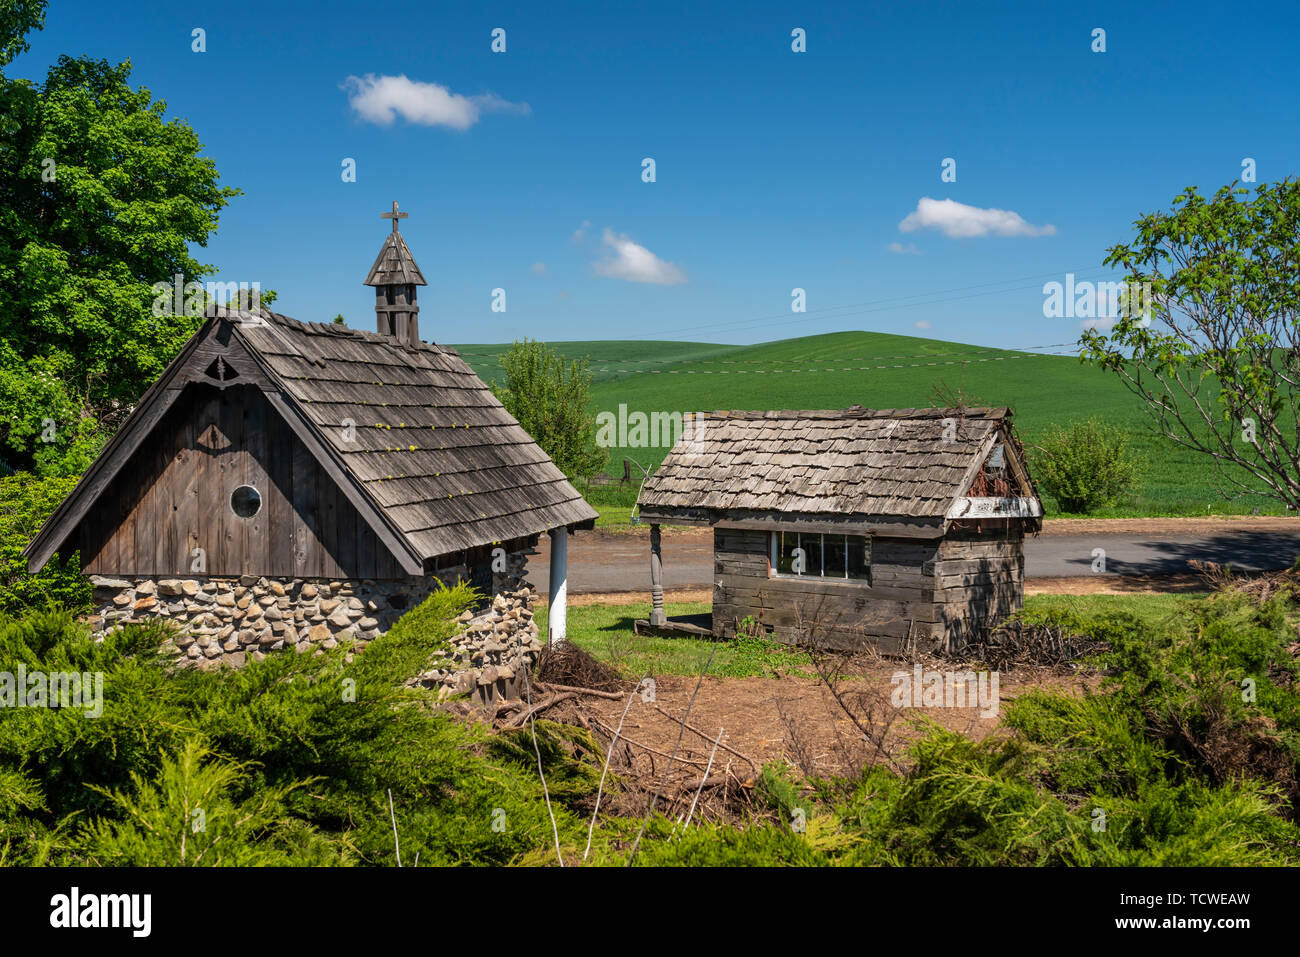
column 661, row 741
column 797, row 719
column 1114, row 585
column 1213, row 525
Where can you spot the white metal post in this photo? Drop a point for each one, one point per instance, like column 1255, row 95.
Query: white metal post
column 556, row 616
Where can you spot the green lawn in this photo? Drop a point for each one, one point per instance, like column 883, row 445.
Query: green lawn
column 605, row 631
column 827, row 372
column 614, row 516
column 614, row 503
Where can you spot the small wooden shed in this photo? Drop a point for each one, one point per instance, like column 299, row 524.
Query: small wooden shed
column 903, row 528
column 292, row 484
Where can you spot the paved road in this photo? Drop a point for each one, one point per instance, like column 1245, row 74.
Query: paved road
column 612, row 563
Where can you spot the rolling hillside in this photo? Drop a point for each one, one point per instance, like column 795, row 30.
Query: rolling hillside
column 837, row 370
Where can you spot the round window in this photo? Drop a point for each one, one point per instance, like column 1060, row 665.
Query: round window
column 245, row 501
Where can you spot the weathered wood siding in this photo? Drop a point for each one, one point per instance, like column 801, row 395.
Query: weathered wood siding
column 979, row 578
column 174, row 497
column 898, row 603
column 927, row 594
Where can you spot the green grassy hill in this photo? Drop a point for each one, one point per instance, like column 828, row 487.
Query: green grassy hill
column 875, row 370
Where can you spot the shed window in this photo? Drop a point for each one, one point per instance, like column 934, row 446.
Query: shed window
column 245, row 501
column 815, row 555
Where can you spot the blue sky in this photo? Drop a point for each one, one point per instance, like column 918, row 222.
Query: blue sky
column 774, row 169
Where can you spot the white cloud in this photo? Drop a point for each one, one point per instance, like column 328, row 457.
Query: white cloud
column 959, row 221
column 581, row 232
column 564, row 294
column 635, row 263
column 1104, row 324
column 538, row 269
column 922, row 324
column 381, row 99
column 908, row 250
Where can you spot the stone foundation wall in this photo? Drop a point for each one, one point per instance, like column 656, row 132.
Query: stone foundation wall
column 491, row 653
column 226, row 621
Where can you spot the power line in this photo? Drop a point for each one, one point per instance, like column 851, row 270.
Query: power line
column 915, row 365
column 967, row 356
column 877, row 305
column 920, row 355
column 803, row 317
column 845, row 368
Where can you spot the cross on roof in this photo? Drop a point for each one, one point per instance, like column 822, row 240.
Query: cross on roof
column 394, row 216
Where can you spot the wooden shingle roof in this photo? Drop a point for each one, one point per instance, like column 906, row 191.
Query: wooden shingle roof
column 860, row 463
column 429, row 442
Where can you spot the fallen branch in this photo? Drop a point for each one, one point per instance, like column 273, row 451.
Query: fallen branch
column 611, row 695
column 703, row 779
column 626, row 740
column 518, row 720
column 717, row 782
column 397, row 847
column 724, row 747
column 546, row 792
column 609, row 752
column 650, row 807
column 505, row 707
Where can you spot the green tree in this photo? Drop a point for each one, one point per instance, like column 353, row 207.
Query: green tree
column 26, row 501
column 1216, row 358
column 17, row 19
column 189, row 816
column 244, row 298
column 100, row 197
column 1084, row 465
column 552, row 401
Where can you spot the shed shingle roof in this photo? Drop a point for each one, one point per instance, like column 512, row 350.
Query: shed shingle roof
column 852, row 462
column 432, row 446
